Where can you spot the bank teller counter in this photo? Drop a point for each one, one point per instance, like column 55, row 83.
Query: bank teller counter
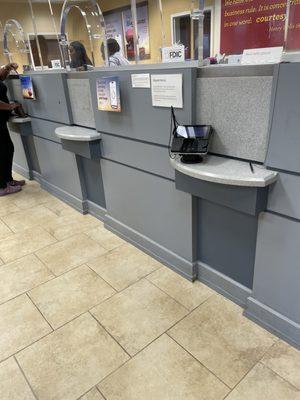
column 218, row 230
column 68, row 157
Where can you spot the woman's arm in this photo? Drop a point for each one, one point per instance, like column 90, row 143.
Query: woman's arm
column 6, row 70
column 8, row 106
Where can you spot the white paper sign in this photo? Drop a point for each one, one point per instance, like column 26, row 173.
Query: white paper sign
column 166, row 90
column 173, row 54
column 56, row 64
column 140, row 81
column 268, row 55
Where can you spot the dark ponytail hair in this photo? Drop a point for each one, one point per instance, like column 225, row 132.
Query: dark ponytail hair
column 81, row 58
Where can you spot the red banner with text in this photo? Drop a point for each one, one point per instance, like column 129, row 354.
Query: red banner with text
column 251, row 24
column 293, row 37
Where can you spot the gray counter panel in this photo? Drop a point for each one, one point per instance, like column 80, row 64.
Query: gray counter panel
column 277, row 272
column 284, row 144
column 284, row 195
column 52, row 101
column 152, row 207
column 139, row 119
column 45, row 129
column 81, row 102
column 58, row 167
column 238, row 110
column 145, row 156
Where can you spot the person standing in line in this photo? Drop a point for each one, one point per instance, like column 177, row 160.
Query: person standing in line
column 115, row 57
column 7, row 184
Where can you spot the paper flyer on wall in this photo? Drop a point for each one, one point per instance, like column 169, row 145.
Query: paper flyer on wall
column 108, row 94
column 27, row 87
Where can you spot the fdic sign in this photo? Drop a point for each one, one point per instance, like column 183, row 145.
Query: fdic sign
column 173, row 54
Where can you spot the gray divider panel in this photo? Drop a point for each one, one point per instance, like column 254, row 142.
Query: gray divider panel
column 238, row 109
column 52, row 98
column 58, row 167
column 277, row 259
column 284, row 144
column 284, row 195
column 138, row 119
column 227, row 240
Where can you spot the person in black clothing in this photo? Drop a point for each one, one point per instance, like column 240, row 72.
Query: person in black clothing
column 7, row 184
column 79, row 57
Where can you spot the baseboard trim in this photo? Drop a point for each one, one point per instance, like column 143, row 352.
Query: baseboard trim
column 37, row 176
column 160, row 253
column 75, row 202
column 223, row 284
column 22, row 171
column 96, row 210
column 273, row 321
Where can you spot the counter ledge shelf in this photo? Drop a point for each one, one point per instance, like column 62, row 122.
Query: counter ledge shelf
column 77, row 133
column 19, row 120
column 84, row 142
column 227, row 171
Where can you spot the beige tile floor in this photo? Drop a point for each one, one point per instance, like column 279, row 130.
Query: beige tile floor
column 84, row 315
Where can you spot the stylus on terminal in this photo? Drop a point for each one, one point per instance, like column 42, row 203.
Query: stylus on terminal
column 251, row 167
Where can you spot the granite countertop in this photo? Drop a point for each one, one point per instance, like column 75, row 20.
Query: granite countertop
column 227, row 171
column 19, row 120
column 77, row 133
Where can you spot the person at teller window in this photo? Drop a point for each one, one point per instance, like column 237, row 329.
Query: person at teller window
column 115, row 56
column 7, row 184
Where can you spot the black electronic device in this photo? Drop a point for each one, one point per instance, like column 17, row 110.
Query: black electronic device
column 189, row 141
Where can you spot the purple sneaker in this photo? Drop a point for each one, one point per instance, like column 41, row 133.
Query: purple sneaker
column 16, row 183
column 10, row 190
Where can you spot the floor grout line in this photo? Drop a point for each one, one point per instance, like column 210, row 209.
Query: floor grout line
column 116, row 291
column 25, row 377
column 36, row 307
column 114, row 339
column 256, row 363
column 198, row 361
column 144, row 348
column 105, row 398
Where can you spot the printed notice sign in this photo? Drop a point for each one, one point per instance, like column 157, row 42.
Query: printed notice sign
column 108, row 94
column 140, row 81
column 269, row 55
column 166, row 90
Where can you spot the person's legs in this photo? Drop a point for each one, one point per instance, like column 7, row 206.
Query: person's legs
column 6, row 159
column 3, row 157
column 10, row 155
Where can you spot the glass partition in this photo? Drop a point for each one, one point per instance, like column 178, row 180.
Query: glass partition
column 83, row 37
column 16, row 20
column 44, row 43
column 15, row 44
column 3, row 59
